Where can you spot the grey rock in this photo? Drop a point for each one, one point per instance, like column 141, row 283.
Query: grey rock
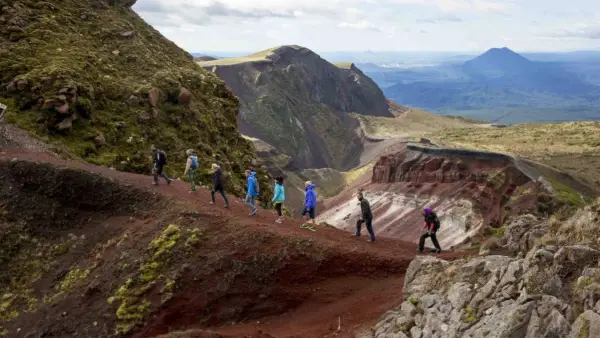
column 153, row 95
column 416, row 332
column 513, row 272
column 460, row 294
column 418, row 274
column 575, row 254
column 587, row 325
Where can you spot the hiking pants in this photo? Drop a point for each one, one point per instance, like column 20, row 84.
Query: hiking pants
column 158, row 171
column 369, row 226
column 434, row 240
column 192, row 179
column 220, row 190
column 278, row 208
column 250, row 201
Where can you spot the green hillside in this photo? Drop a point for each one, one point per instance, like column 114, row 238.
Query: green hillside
column 97, row 82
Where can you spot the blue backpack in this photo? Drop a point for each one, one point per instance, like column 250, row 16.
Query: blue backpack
column 194, row 162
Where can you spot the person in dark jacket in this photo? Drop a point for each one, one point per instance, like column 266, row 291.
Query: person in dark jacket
column 366, row 216
column 159, row 160
column 430, row 228
column 217, row 180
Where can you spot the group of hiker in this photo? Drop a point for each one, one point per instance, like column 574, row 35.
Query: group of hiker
column 159, row 159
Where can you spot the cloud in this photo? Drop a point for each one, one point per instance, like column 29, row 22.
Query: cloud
column 461, row 5
column 198, row 12
column 585, row 32
column 361, row 25
column 442, row 18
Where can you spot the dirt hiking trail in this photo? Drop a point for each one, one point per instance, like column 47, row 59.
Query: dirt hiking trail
column 352, row 287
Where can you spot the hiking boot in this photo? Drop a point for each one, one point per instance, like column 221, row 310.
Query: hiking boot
column 435, row 251
column 278, row 221
column 168, row 182
column 419, row 250
column 370, row 240
column 211, row 202
column 154, row 183
column 226, row 206
column 253, row 213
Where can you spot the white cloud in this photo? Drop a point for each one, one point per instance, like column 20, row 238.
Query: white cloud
column 583, row 32
column 361, row 25
column 458, row 25
column 461, row 5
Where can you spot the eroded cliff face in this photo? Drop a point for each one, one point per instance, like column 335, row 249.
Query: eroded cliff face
column 299, row 103
column 468, row 194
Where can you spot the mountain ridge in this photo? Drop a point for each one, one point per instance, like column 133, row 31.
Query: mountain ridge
column 300, row 103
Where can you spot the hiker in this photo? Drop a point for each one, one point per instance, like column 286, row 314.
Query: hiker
column 190, row 168
column 159, row 160
column 366, row 216
column 217, row 181
column 310, row 201
column 432, row 225
column 279, row 198
column 253, row 190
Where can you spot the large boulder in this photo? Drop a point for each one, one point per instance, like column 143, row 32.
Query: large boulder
column 587, row 325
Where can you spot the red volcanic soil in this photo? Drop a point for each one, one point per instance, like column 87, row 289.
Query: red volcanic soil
column 289, row 282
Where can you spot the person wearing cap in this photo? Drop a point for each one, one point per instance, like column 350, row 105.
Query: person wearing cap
column 430, row 228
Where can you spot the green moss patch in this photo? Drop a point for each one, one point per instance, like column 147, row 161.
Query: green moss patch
column 134, row 307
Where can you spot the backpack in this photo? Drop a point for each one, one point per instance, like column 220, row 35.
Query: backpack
column 256, row 187
column 162, row 157
column 194, row 162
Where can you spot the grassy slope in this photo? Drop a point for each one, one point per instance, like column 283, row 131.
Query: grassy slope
column 572, row 147
column 413, row 122
column 109, row 59
column 256, row 57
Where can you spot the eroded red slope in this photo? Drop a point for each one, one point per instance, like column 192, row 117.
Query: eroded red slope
column 282, row 281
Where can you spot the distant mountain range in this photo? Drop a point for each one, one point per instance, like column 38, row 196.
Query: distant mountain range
column 499, row 85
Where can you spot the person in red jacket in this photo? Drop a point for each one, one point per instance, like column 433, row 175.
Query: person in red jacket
column 430, row 228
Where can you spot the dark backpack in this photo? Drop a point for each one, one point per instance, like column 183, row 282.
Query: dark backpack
column 162, row 157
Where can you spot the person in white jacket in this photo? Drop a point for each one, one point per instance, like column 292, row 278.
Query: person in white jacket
column 190, row 169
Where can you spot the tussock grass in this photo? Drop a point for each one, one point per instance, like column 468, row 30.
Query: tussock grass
column 411, row 123
column 343, row 65
column 572, row 147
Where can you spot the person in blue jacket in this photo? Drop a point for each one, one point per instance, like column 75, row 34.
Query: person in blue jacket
column 279, row 198
column 310, row 201
column 252, row 192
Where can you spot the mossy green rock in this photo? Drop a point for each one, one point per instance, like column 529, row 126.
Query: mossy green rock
column 73, row 70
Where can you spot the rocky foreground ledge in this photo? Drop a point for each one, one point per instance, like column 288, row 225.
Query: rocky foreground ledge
column 549, row 290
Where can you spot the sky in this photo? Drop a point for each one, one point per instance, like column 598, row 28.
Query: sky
column 376, row 25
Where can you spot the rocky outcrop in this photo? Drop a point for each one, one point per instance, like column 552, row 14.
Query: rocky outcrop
column 546, row 291
column 296, row 101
